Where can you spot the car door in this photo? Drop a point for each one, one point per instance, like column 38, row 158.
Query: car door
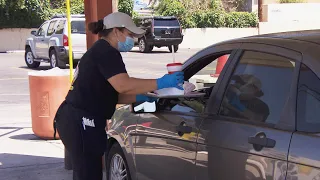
column 40, row 39
column 165, row 145
column 49, row 33
column 250, row 121
column 304, row 154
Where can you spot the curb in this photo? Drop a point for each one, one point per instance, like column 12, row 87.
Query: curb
column 16, row 51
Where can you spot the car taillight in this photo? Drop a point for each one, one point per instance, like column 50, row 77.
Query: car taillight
column 65, row 40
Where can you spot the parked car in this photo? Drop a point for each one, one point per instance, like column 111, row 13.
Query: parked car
column 160, row 31
column 50, row 42
column 259, row 121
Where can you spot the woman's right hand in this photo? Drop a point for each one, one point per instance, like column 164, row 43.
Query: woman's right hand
column 171, row 80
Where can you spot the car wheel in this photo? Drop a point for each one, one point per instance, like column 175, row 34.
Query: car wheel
column 175, row 47
column 29, row 59
column 143, row 46
column 55, row 61
column 116, row 164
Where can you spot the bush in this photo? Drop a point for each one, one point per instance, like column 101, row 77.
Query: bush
column 241, row 20
column 214, row 17
column 32, row 13
column 126, row 6
column 171, row 8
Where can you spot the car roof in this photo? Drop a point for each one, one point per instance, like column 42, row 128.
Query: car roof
column 306, row 42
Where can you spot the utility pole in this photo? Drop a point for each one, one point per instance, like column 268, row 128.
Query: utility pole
column 260, row 3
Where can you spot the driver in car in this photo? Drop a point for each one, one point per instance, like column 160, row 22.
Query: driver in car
column 243, row 98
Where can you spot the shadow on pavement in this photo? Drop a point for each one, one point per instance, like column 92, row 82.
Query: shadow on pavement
column 13, row 129
column 35, row 69
column 25, row 137
column 28, row 167
column 152, row 52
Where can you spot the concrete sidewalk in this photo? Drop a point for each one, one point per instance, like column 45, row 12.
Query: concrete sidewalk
column 22, row 154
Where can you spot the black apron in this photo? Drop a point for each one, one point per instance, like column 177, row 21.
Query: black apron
column 80, row 131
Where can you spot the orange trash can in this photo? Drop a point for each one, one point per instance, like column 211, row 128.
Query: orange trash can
column 47, row 92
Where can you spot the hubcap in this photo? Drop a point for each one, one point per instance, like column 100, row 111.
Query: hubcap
column 117, row 169
column 142, row 45
column 53, row 60
column 29, row 58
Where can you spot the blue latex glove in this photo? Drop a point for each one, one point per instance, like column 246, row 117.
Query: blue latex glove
column 235, row 101
column 171, row 80
column 143, row 98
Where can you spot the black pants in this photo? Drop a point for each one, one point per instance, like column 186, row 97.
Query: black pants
column 85, row 145
column 86, row 166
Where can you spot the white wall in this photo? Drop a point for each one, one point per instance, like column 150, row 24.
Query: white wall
column 273, row 27
column 200, row 38
column 13, row 39
column 291, row 12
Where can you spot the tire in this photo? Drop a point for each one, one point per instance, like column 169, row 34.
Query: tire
column 29, row 59
column 144, row 47
column 55, row 61
column 115, row 153
column 175, row 47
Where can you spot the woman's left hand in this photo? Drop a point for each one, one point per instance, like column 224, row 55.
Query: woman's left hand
column 143, row 98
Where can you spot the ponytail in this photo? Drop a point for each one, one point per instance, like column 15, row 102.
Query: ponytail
column 96, row 27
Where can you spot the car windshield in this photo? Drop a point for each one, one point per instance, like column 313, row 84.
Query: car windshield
column 166, row 22
column 78, row 27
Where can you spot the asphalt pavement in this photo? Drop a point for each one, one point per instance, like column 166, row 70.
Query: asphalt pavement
column 22, row 154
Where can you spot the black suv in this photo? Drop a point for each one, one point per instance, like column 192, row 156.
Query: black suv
column 160, row 31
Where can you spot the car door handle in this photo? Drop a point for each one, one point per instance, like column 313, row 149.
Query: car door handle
column 262, row 142
column 182, row 129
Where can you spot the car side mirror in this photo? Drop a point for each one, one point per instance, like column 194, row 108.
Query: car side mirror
column 33, row 32
column 145, row 107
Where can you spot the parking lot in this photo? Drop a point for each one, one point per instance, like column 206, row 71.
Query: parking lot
column 23, row 155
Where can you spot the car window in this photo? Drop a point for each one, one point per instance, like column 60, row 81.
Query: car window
column 258, row 88
column 51, row 28
column 42, row 30
column 208, row 75
column 166, row 22
column 308, row 101
column 78, row 27
column 60, row 27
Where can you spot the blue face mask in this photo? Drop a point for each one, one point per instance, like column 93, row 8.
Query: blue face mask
column 127, row 45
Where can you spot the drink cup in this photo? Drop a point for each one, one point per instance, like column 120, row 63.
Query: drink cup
column 174, row 67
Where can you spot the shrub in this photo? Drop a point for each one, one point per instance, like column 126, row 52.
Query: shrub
column 171, row 8
column 32, row 13
column 241, row 20
column 126, row 6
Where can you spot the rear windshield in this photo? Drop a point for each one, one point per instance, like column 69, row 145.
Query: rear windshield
column 78, row 27
column 166, row 22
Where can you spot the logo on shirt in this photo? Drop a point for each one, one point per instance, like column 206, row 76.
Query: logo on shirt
column 87, row 122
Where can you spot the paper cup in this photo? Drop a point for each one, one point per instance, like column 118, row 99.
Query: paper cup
column 174, row 67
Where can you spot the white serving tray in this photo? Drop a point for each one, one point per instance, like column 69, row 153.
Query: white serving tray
column 189, row 95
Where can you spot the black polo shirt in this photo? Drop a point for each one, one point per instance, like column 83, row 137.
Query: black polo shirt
column 91, row 90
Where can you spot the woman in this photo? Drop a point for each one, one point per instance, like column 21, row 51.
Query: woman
column 100, row 82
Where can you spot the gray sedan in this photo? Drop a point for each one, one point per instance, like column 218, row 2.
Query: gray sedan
column 259, row 120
